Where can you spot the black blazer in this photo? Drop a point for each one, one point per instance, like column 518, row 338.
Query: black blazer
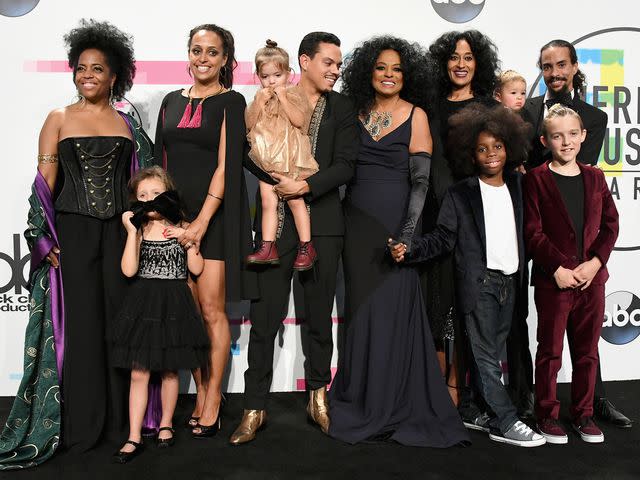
column 461, row 228
column 594, row 120
column 336, row 154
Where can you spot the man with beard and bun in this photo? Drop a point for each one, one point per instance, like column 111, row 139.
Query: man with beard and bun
column 566, row 85
column 333, row 132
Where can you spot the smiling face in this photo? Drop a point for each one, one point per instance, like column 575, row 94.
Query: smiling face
column 206, row 56
column 490, row 155
column 564, row 137
column 461, row 66
column 387, row 78
column 557, row 69
column 272, row 75
column 93, row 76
column 512, row 94
column 323, row 70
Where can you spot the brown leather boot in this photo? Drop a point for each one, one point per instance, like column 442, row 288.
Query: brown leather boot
column 265, row 254
column 252, row 421
column 318, row 408
column 306, row 257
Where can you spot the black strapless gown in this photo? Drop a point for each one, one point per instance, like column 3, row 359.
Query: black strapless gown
column 388, row 384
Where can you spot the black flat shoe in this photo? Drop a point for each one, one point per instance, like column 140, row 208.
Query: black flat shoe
column 207, row 430
column 166, row 442
column 125, row 457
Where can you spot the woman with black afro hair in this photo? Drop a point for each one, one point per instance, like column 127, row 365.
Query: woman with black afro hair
column 388, row 384
column 87, row 152
column 467, row 64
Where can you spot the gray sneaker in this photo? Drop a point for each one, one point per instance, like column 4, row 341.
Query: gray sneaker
column 521, row 435
column 481, row 422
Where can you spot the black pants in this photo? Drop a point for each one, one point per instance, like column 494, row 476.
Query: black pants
column 94, row 394
column 267, row 313
column 488, row 326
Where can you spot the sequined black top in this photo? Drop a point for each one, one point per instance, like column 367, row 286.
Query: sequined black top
column 92, row 177
column 163, row 259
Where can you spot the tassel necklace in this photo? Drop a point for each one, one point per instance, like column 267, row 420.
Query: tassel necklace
column 187, row 121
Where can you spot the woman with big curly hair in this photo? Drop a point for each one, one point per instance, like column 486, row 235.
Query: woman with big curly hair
column 388, row 384
column 467, row 64
column 87, row 152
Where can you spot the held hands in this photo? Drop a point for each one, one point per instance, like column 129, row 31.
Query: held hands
column 397, row 250
column 581, row 276
column 126, row 221
column 189, row 237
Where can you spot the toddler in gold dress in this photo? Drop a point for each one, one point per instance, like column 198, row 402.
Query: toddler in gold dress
column 278, row 122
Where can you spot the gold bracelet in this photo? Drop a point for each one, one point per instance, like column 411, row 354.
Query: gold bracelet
column 214, row 196
column 47, row 158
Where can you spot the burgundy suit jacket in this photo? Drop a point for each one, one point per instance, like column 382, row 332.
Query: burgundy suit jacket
column 548, row 231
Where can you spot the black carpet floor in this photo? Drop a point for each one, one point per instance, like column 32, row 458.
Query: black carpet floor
column 291, row 448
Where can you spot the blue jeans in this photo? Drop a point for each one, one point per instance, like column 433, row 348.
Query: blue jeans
column 488, row 326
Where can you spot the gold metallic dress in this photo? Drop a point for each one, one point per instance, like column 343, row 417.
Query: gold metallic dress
column 276, row 145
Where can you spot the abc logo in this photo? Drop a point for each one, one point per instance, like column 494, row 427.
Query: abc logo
column 621, row 318
column 17, row 8
column 458, row 11
column 14, row 269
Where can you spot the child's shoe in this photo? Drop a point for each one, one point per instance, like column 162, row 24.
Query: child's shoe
column 306, row 257
column 552, row 431
column 520, row 434
column 588, row 430
column 265, row 254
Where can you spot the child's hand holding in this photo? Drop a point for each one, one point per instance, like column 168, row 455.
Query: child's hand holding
column 263, row 95
column 126, row 221
column 173, row 232
column 397, row 250
column 565, row 278
column 280, row 91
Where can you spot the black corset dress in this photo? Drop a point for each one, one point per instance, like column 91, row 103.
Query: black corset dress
column 158, row 327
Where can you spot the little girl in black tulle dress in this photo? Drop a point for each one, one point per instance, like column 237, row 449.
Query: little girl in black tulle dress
column 158, row 328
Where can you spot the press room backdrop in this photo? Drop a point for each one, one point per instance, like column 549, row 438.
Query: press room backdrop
column 35, row 80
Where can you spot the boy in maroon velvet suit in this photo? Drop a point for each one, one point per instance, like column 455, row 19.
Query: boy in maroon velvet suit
column 571, row 225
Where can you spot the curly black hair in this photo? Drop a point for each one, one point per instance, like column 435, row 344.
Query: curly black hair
column 228, row 49
column 417, row 72
column 485, row 53
column 116, row 46
column 501, row 122
column 579, row 79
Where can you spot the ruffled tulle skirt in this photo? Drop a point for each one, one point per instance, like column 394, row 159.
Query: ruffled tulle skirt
column 159, row 328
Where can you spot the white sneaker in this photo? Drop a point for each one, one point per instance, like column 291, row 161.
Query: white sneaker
column 521, row 435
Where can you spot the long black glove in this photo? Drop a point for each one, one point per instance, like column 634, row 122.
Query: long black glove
column 419, row 169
